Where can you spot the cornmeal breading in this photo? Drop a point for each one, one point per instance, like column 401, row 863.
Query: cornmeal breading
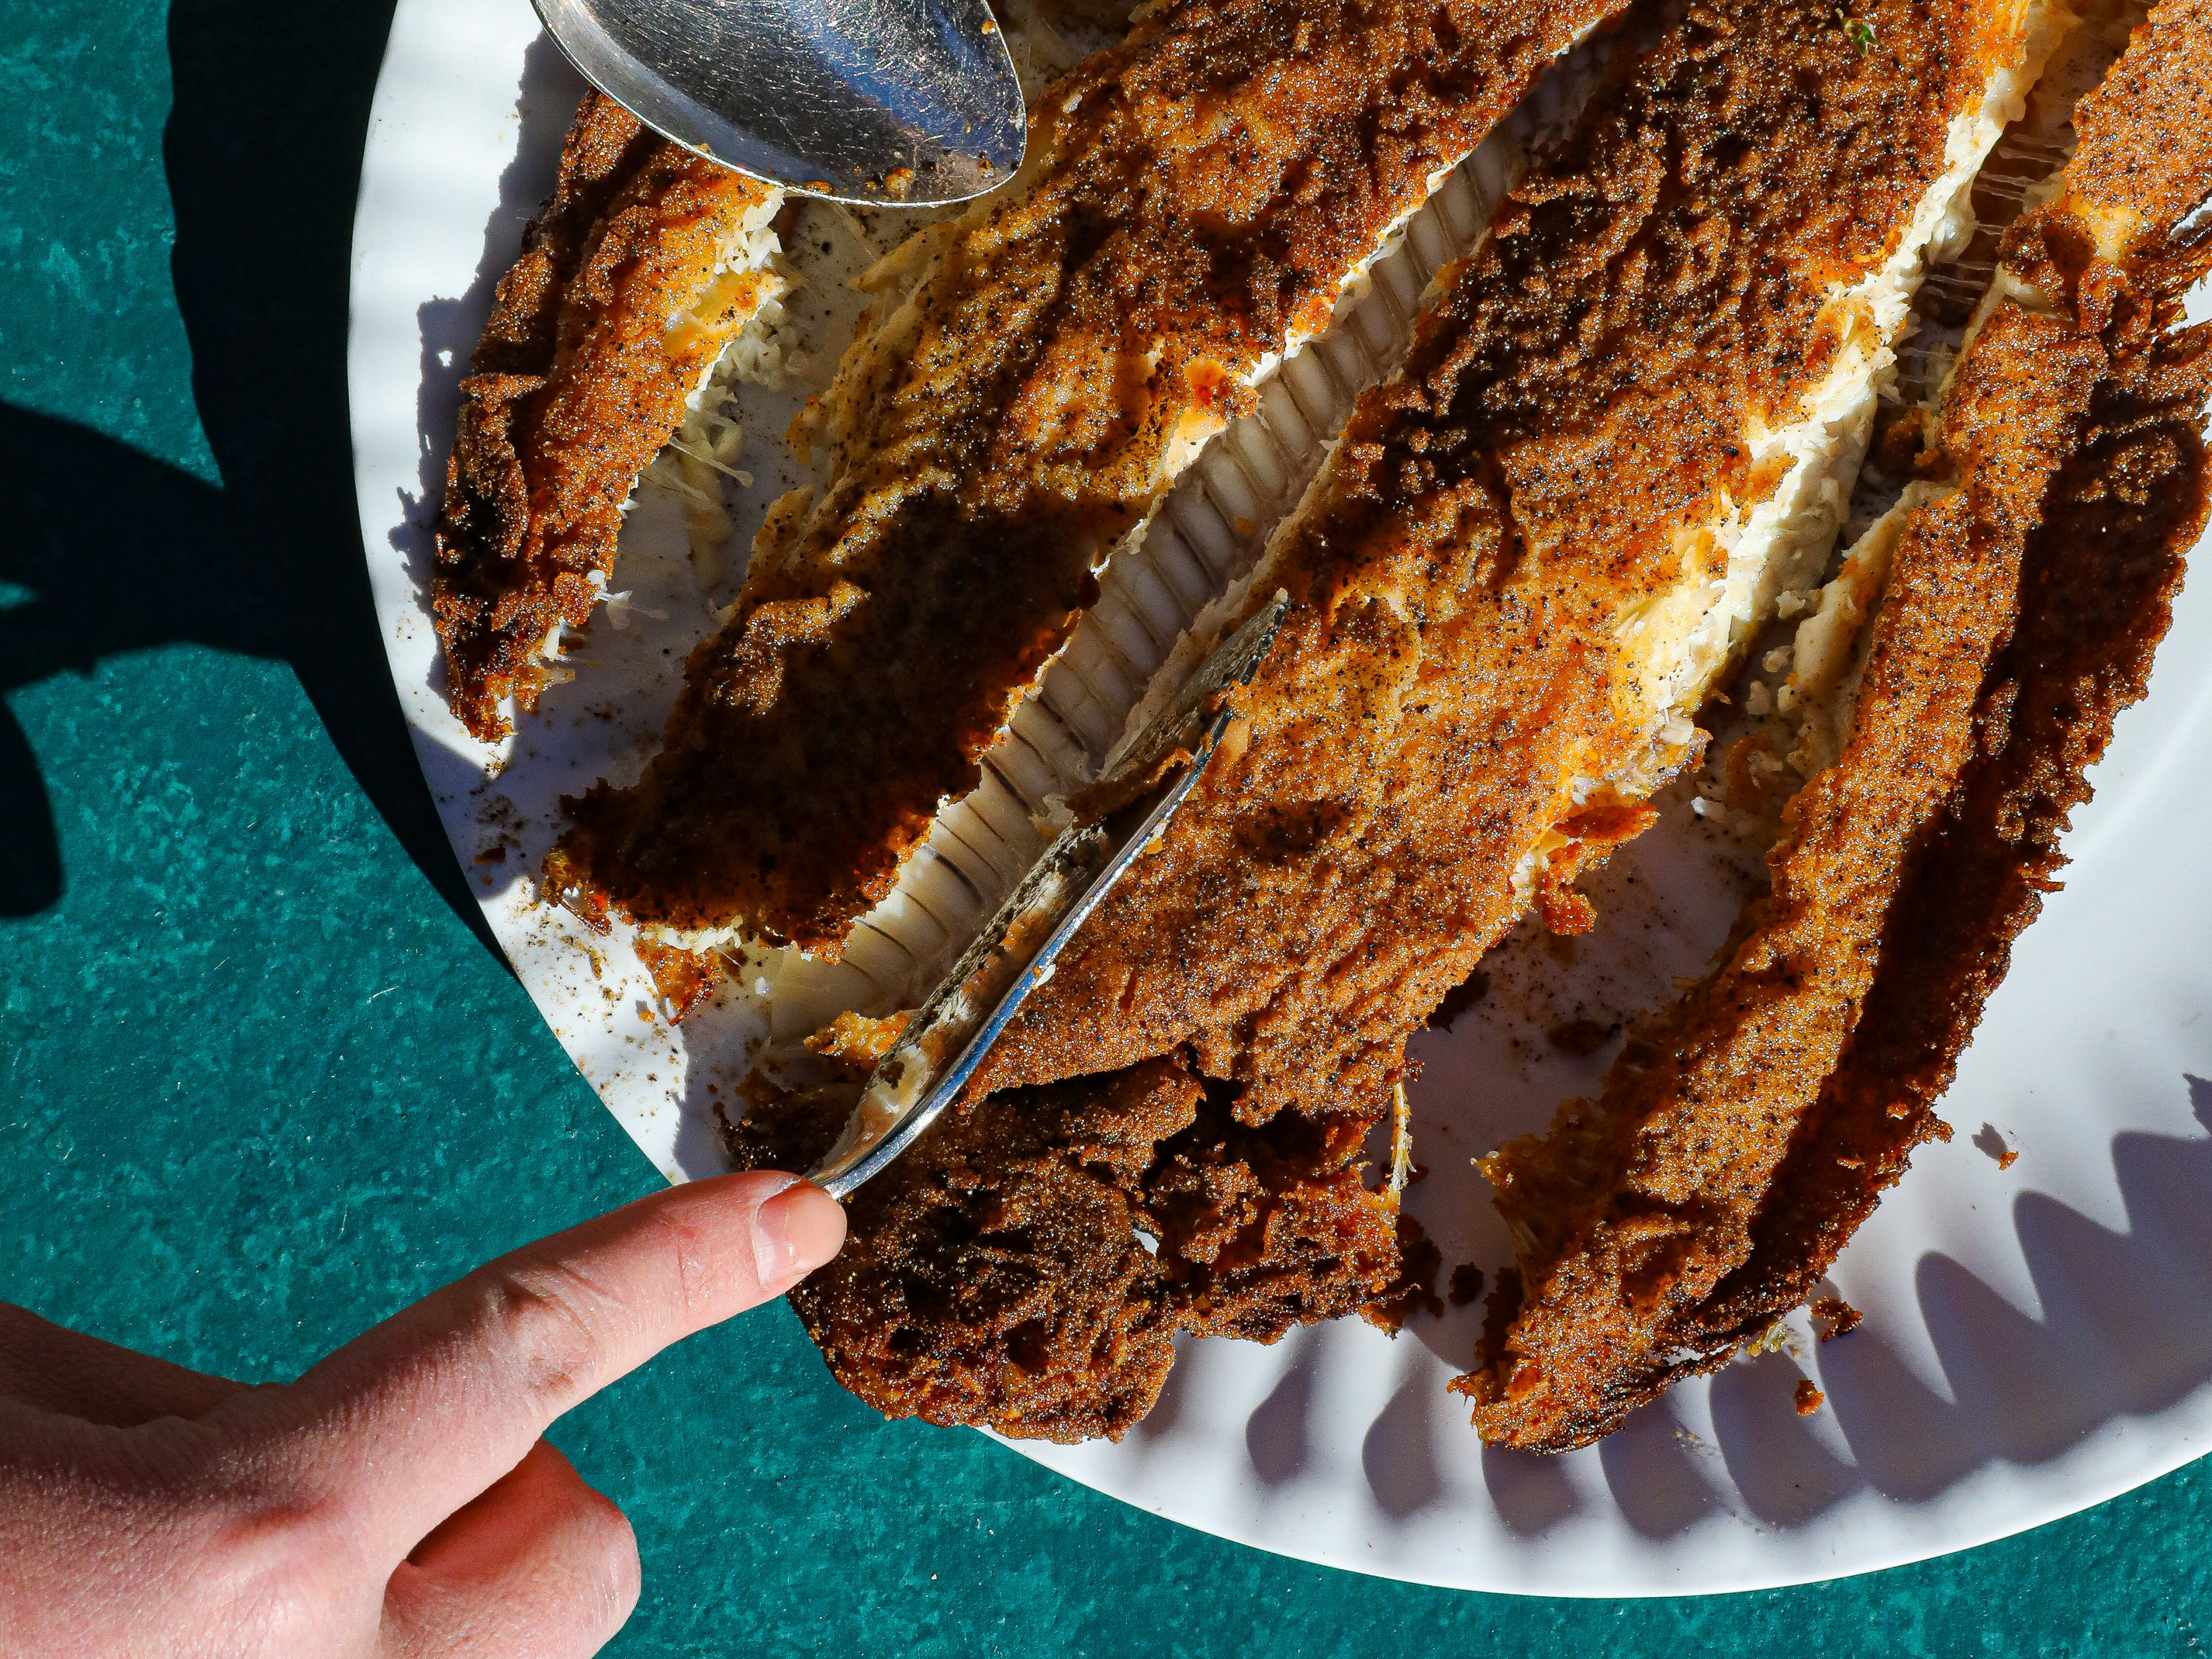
column 1748, row 1130
column 1463, row 681
column 2098, row 581
column 645, row 262
column 1638, row 1203
column 1534, row 549
column 994, row 1274
column 1037, row 375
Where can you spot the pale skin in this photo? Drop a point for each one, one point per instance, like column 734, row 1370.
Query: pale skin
column 398, row 1499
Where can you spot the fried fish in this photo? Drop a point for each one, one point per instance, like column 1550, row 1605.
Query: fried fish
column 2017, row 597
column 1038, row 374
column 632, row 280
column 1622, row 426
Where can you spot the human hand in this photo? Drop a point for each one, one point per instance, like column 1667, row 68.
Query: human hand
column 397, row 1501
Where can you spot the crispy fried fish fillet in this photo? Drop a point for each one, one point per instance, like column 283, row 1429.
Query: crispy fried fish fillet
column 994, row 1275
column 1193, row 202
column 645, row 262
column 1503, row 589
column 1502, row 592
column 1748, row 1131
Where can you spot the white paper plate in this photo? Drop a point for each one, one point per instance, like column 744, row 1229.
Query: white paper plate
column 2037, row 1338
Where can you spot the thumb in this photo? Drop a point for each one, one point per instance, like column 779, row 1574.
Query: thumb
column 422, row 1414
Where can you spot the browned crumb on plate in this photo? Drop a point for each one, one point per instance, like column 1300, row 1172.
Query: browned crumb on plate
column 1808, row 1397
column 1834, row 1317
column 857, row 1042
column 1465, row 1285
column 685, row 978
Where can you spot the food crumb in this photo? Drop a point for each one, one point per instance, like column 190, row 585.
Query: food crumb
column 1991, row 1140
column 1835, row 1317
column 1465, row 1285
column 1808, row 1397
column 1775, row 1338
column 685, row 978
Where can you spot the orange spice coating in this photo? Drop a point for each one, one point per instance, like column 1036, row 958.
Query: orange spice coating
column 1750, row 1129
column 1447, row 668
column 1451, row 662
column 597, row 337
column 1193, row 201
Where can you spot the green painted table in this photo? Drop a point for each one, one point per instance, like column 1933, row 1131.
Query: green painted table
column 262, row 1081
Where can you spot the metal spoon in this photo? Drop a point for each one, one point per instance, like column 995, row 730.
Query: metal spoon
column 972, row 1006
column 911, row 102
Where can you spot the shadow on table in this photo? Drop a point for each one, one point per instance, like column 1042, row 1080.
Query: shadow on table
column 115, row 552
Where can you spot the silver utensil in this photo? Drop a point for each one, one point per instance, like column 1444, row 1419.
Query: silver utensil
column 902, row 102
column 942, row 1045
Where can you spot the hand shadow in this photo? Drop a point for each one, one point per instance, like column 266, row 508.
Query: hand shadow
column 118, row 552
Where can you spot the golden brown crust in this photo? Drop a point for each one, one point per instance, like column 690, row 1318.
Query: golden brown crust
column 1448, row 667
column 2097, row 585
column 1636, row 1204
column 2144, row 171
column 1194, row 199
column 1750, row 1129
column 995, row 1276
column 1450, row 662
column 596, row 336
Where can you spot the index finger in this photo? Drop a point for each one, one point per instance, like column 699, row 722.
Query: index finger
column 422, row 1414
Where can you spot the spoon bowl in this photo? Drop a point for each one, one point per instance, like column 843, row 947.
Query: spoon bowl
column 881, row 102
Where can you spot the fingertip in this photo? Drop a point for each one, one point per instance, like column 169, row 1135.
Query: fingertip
column 795, row 1233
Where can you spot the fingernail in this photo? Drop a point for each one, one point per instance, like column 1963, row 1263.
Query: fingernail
column 794, row 1233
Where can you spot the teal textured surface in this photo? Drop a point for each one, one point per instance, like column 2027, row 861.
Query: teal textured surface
column 261, row 1082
